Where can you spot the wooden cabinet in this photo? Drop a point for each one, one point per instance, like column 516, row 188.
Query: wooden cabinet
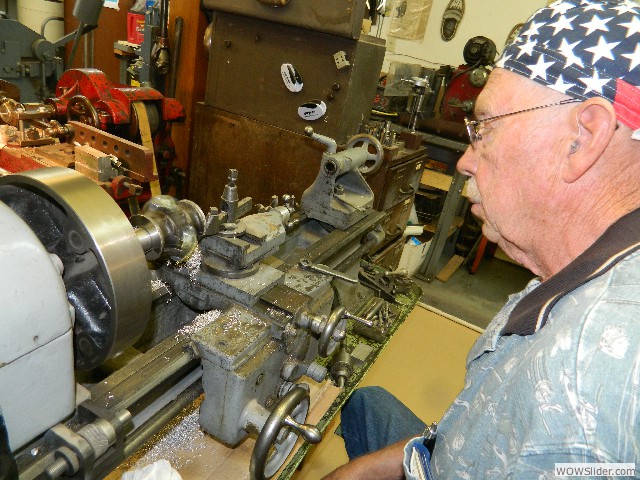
column 394, row 186
column 270, row 160
column 389, row 256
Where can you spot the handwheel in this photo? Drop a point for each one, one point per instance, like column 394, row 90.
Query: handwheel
column 80, row 108
column 327, row 344
column 278, row 436
column 374, row 160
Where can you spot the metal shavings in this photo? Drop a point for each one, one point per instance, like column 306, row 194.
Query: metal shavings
column 159, row 285
column 234, row 324
column 193, row 263
column 178, row 443
column 277, row 313
column 199, row 322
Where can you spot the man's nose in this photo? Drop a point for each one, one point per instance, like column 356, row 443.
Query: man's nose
column 467, row 163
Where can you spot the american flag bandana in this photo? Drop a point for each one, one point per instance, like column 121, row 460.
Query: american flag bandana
column 583, row 48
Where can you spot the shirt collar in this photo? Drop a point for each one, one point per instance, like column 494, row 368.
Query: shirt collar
column 619, row 240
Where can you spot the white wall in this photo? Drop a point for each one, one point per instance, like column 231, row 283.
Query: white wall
column 32, row 13
column 491, row 18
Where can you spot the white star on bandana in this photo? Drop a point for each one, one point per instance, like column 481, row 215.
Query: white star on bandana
column 632, row 27
column 634, row 57
column 566, row 49
column 602, row 50
column 625, row 8
column 563, row 23
column 595, row 83
column 595, row 24
column 560, row 86
column 593, row 6
column 527, row 48
column 540, row 68
column 532, row 30
column 560, row 8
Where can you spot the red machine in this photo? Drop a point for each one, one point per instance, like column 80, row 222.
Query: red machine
column 463, row 89
column 108, row 132
column 127, row 124
column 467, row 81
column 87, row 95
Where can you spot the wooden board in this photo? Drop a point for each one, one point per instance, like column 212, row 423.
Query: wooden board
column 431, row 178
column 441, row 181
column 450, row 268
column 196, row 455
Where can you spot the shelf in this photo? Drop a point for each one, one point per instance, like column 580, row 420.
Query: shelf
column 455, row 224
column 441, row 181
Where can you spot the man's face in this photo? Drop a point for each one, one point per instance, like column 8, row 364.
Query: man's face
column 511, row 168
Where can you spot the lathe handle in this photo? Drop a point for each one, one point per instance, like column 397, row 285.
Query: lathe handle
column 364, row 140
column 326, row 343
column 410, row 190
column 263, row 465
column 309, row 433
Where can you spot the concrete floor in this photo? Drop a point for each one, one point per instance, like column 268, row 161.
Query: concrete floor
column 476, row 298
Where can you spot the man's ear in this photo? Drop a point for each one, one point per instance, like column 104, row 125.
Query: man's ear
column 596, row 124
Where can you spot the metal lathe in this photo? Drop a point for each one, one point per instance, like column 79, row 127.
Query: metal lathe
column 110, row 325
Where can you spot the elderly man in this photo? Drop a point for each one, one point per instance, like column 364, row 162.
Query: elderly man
column 554, row 167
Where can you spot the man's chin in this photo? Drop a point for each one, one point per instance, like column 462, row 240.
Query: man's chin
column 490, row 233
column 476, row 209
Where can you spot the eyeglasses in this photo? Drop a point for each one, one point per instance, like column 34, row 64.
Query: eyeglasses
column 473, row 126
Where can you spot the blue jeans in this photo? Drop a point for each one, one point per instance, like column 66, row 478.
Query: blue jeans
column 372, row 418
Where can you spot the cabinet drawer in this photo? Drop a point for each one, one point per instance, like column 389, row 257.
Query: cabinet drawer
column 338, row 17
column 402, row 182
column 389, row 258
column 396, row 221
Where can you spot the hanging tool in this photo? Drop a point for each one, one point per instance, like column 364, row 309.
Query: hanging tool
column 87, row 12
column 324, row 270
column 160, row 52
column 175, row 59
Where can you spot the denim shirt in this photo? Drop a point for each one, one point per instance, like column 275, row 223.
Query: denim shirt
column 570, row 392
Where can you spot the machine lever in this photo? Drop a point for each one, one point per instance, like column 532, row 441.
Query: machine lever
column 364, row 321
column 310, row 433
column 323, row 269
